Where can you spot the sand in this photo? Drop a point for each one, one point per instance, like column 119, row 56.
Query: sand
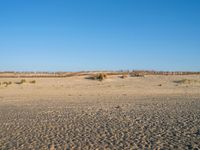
column 153, row 112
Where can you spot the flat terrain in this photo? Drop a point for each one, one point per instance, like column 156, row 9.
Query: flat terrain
column 151, row 112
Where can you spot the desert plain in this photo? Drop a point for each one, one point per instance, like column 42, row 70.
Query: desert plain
column 151, row 112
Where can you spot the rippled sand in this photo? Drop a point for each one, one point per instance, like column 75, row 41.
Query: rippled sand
column 76, row 113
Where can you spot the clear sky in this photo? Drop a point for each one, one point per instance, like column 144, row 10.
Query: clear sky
column 73, row 35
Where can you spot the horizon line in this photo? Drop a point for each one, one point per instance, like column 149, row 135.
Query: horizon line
column 120, row 70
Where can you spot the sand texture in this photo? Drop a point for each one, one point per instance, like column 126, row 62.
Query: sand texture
column 151, row 112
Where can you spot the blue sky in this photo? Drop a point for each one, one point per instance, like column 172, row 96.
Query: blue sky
column 74, row 35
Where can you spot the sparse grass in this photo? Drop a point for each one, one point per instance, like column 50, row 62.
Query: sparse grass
column 21, row 82
column 136, row 75
column 187, row 81
column 24, row 81
column 32, row 82
column 6, row 83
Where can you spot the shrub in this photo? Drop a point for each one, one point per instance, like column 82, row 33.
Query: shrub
column 124, row 76
column 101, row 76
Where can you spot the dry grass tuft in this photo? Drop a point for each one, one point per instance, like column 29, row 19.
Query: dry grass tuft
column 134, row 74
column 32, row 82
column 124, row 76
column 6, row 83
column 21, row 82
column 100, row 77
column 187, row 81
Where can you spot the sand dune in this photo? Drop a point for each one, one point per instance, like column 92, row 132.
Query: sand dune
column 153, row 112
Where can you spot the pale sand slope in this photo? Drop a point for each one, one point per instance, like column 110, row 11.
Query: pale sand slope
column 114, row 114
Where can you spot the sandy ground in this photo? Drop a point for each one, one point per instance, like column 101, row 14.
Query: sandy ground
column 77, row 113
